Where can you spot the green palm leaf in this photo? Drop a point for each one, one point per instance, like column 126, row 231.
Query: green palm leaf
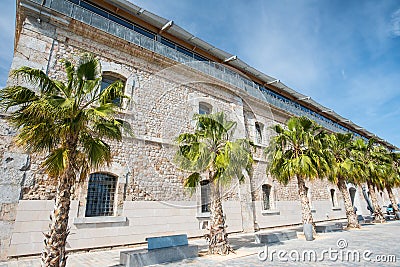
column 70, row 122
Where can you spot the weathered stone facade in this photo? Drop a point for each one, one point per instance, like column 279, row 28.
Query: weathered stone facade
column 164, row 96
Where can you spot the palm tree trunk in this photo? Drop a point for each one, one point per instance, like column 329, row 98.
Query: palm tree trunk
column 350, row 214
column 377, row 209
column 305, row 203
column 54, row 254
column 393, row 201
column 218, row 237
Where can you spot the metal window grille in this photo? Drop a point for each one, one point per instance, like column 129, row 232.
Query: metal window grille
column 266, row 189
column 100, row 197
column 205, row 195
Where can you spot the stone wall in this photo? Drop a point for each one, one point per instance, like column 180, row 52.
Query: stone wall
column 164, row 96
column 15, row 174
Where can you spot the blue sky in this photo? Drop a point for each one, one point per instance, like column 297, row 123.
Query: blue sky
column 344, row 54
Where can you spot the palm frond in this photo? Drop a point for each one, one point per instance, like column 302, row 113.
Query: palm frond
column 88, row 67
column 37, row 78
column 56, row 162
column 112, row 94
column 108, row 129
column 210, row 149
column 64, row 119
column 70, row 70
column 192, row 181
column 14, row 96
column 97, row 151
column 297, row 151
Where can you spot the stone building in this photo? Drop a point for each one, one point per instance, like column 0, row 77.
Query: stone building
column 170, row 75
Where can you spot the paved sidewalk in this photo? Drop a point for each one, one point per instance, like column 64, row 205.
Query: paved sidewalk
column 364, row 247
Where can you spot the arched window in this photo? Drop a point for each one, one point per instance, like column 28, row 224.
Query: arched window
column 205, row 108
column 205, row 192
column 266, row 196
column 107, row 79
column 100, row 196
column 259, row 132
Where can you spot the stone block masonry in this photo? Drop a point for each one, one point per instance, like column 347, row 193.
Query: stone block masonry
column 149, row 196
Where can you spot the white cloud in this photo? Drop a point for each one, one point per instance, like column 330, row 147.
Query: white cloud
column 395, row 23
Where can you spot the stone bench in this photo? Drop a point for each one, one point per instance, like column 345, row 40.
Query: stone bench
column 160, row 250
column 365, row 219
column 274, row 237
column 329, row 228
column 390, row 217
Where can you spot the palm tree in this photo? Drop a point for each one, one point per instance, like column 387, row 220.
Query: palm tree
column 296, row 152
column 369, row 170
column 394, row 181
column 68, row 121
column 210, row 149
column 341, row 170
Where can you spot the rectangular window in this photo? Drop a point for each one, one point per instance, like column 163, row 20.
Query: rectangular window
column 144, row 32
column 121, row 21
column 167, row 43
column 205, row 192
column 266, row 190
column 199, row 58
column 333, row 197
column 93, row 9
column 184, row 51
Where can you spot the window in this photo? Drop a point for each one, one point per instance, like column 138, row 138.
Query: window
column 333, row 197
column 259, row 130
column 167, row 42
column 107, row 80
column 205, row 191
column 144, row 32
column 100, row 196
column 352, row 192
column 205, row 108
column 266, row 194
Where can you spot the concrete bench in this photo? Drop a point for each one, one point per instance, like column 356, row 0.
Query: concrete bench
column 390, row 217
column 329, row 228
column 274, row 237
column 160, row 250
column 366, row 219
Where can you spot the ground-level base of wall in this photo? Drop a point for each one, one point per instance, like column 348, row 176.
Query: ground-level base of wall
column 145, row 257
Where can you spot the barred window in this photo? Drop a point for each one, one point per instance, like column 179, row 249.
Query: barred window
column 100, row 197
column 266, row 190
column 205, row 191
